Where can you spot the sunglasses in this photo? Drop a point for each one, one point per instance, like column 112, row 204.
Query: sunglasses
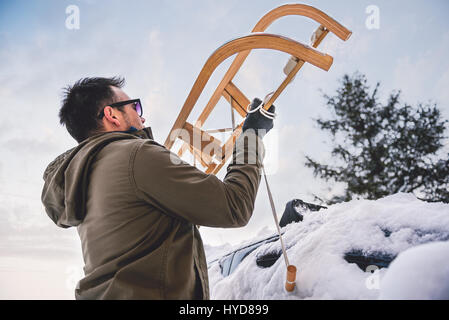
column 137, row 105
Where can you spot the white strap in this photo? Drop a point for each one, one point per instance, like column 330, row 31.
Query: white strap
column 265, row 113
column 268, row 97
column 248, row 108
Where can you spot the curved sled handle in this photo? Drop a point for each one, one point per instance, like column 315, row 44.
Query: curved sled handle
column 246, row 43
column 276, row 42
column 303, row 10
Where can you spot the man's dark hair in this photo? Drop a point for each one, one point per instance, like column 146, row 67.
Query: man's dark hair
column 83, row 101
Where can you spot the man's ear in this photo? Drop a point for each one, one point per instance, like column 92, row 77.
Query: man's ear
column 110, row 116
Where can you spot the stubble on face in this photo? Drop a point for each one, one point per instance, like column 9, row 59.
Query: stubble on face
column 130, row 116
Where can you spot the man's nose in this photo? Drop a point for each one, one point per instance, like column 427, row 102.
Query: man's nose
column 142, row 119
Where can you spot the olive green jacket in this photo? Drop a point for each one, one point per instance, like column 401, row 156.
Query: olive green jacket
column 136, row 206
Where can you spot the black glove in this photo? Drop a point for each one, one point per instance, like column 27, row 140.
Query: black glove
column 257, row 121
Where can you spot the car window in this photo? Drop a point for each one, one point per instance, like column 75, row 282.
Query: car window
column 364, row 260
column 225, row 264
column 241, row 254
column 231, row 261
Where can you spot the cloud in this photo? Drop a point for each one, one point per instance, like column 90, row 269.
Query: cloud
column 25, row 229
column 442, row 93
column 30, row 146
column 425, row 74
column 30, row 277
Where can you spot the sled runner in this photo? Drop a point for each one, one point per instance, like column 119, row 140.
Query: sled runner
column 209, row 151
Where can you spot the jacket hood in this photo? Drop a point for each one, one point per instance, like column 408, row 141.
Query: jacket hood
column 66, row 177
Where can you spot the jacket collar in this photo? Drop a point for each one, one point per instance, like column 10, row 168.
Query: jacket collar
column 145, row 133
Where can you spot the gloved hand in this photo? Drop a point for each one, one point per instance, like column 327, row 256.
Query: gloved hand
column 257, row 121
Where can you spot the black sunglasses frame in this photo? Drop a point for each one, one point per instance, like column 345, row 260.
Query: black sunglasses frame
column 121, row 104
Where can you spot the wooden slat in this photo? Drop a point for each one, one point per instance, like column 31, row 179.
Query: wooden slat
column 203, row 158
column 233, row 69
column 294, row 71
column 237, row 95
column 185, row 146
column 237, row 107
column 227, row 149
column 211, row 168
column 203, row 141
column 183, row 149
column 219, row 130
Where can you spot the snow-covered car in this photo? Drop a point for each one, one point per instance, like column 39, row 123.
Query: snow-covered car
column 342, row 252
column 294, row 213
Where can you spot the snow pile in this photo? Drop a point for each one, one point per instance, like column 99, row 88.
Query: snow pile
column 317, row 245
column 419, row 273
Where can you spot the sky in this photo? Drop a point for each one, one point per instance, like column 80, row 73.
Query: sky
column 160, row 48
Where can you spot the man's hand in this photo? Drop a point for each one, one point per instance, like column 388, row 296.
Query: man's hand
column 257, row 121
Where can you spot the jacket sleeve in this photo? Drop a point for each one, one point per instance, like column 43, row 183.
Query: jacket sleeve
column 180, row 190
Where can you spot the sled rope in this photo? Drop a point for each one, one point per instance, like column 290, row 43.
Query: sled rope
column 291, row 269
column 232, row 114
column 273, row 209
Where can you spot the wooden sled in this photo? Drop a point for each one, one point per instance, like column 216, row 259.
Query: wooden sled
column 205, row 148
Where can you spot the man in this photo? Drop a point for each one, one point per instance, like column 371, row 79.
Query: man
column 136, row 209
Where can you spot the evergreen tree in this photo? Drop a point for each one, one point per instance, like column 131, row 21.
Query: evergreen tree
column 384, row 148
